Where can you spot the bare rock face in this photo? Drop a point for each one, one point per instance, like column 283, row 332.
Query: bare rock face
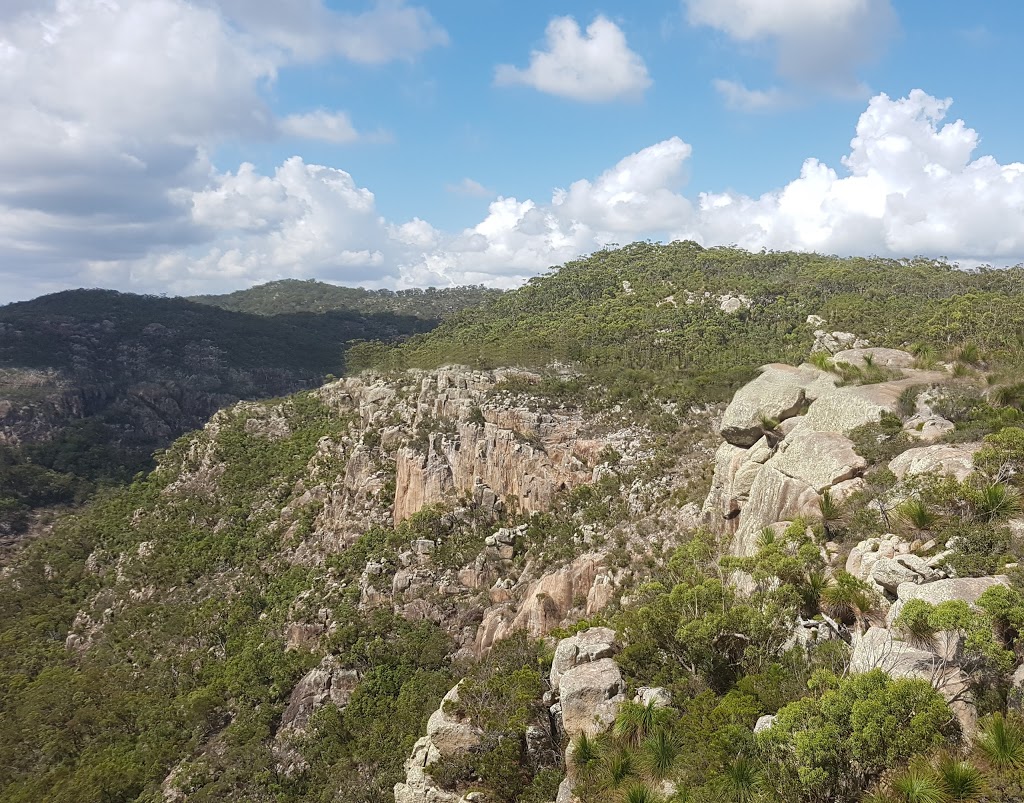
column 587, row 682
column 780, row 392
column 773, row 497
column 764, row 477
column 538, row 607
column 882, row 357
column 447, row 735
column 590, row 695
column 942, row 458
column 968, row 589
column 820, row 459
column 327, row 683
column 583, row 648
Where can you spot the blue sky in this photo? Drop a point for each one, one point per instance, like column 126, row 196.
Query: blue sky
column 187, row 146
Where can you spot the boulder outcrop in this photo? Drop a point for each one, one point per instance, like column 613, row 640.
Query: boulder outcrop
column 956, row 460
column 786, row 441
column 447, row 735
column 586, row 682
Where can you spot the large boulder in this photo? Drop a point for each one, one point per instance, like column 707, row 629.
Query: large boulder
column 942, row 458
column 891, row 573
column 590, row 696
column 773, row 497
column 968, row 589
column 820, row 459
column 448, row 733
column 328, row 682
column 583, row 648
column 780, row 392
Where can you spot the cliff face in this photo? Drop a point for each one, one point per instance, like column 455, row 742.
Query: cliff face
column 471, row 439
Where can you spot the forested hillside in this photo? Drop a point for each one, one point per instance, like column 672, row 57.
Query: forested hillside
column 289, row 296
column 649, row 316
column 686, row 525
column 93, row 381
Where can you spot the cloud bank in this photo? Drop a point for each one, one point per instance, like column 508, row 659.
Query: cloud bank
column 105, row 177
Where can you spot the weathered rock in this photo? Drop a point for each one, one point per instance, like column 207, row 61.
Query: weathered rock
column 447, row 735
column 721, row 500
column 890, row 573
column 780, row 392
column 329, row 682
column 819, row 459
column 881, row 357
column 546, row 601
column 943, row 458
column 764, row 723
column 968, row 589
column 834, row 342
column 585, row 647
column 928, row 428
column 773, row 497
column 646, row 695
column 590, row 696
column 1015, row 699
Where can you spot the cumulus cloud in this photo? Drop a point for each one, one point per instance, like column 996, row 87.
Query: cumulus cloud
column 911, row 187
column 816, row 43
column 471, row 188
column 309, row 30
column 741, row 98
column 111, row 109
column 108, row 112
column 333, row 127
column 594, row 67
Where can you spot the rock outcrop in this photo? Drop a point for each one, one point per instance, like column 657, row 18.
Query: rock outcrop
column 586, row 683
column 787, row 441
column 447, row 735
column 956, row 460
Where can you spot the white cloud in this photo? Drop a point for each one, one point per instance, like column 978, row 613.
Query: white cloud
column 740, row 98
column 911, row 188
column 595, row 67
column 471, row 188
column 814, row 42
column 326, row 126
column 308, row 30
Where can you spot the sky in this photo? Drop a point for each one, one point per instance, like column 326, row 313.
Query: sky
column 202, row 146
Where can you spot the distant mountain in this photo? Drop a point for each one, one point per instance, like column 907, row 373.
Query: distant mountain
column 93, row 381
column 297, row 296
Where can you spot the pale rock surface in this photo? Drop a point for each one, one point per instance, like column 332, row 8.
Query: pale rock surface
column 590, row 696
column 646, row 695
column 833, row 342
column 764, row 723
column 928, row 428
column 779, row 392
column 881, row 357
column 773, row 497
column 585, row 647
column 446, row 736
column 819, row 459
column 942, row 458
